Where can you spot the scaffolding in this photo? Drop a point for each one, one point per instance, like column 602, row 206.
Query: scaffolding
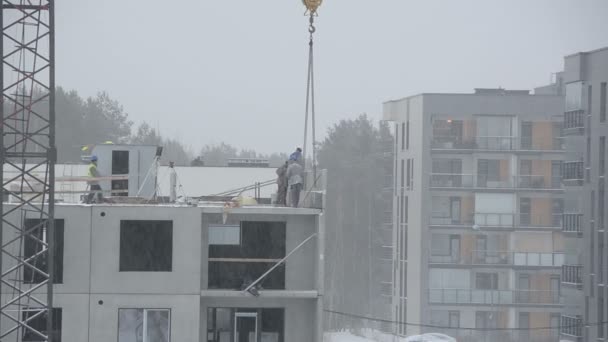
column 28, row 148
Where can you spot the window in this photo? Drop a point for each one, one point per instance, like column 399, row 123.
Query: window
column 526, row 135
column 600, row 207
column 225, row 235
column 454, row 319
column 600, row 317
column 409, row 171
column 525, row 211
column 603, row 95
column 486, row 281
column 494, row 132
column 574, row 96
column 146, row 246
column 602, row 158
column 524, row 326
column 33, row 246
column 39, row 323
column 144, row 325
column 486, row 319
column 120, row 162
column 235, row 266
column 120, row 166
column 488, row 170
column 403, row 172
column 410, row 182
column 443, row 318
column 258, row 324
column 556, row 174
column 403, row 136
column 554, row 324
column 407, row 135
column 589, row 100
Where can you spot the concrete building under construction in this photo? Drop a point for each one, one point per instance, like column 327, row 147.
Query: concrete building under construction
column 202, row 270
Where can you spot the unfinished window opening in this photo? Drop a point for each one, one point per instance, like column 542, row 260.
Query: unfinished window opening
column 120, row 166
column 34, row 244
column 146, row 246
column 240, row 257
column 39, row 323
column 144, row 325
column 245, row 324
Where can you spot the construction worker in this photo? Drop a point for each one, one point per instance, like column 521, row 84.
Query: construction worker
column 94, row 187
column 282, row 184
column 296, row 156
column 295, row 182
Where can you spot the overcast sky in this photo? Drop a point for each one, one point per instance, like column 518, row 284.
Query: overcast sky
column 235, row 70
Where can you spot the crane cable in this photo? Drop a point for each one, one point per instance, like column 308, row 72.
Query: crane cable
column 310, row 98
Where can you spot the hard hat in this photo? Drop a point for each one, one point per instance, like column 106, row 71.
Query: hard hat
column 93, row 158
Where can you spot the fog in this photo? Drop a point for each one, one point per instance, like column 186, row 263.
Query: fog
column 211, row 71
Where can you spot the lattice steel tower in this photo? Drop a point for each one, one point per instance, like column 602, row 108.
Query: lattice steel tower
column 28, row 159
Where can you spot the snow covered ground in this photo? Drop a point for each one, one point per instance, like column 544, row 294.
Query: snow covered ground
column 375, row 336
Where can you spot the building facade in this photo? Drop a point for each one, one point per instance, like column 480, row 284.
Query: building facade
column 585, row 274
column 165, row 273
column 477, row 217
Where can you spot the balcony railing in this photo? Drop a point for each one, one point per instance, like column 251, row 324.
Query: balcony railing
column 457, row 181
column 494, row 143
column 439, row 219
column 574, row 121
column 495, row 219
column 571, row 326
column 507, row 258
column 572, row 274
column 540, row 221
column 494, row 297
column 500, row 220
column 573, row 172
column 571, row 223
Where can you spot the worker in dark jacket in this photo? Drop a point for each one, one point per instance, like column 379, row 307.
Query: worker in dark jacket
column 94, row 187
column 282, row 184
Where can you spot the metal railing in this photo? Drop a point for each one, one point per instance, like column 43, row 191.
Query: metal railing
column 572, row 274
column 439, row 219
column 500, row 220
column 574, row 119
column 496, row 143
column 454, row 180
column 495, row 219
column 512, row 258
column 493, row 297
column 571, row 222
column 535, row 220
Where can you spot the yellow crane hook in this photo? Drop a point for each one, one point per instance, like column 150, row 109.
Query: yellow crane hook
column 312, row 5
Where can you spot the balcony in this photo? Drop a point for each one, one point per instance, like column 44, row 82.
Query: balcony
column 484, row 143
column 572, row 173
column 494, row 297
column 574, row 122
column 507, row 221
column 499, row 258
column 572, row 275
column 571, row 326
column 572, row 223
column 470, row 181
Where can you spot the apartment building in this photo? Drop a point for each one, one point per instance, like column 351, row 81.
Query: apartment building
column 585, row 273
column 477, row 214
